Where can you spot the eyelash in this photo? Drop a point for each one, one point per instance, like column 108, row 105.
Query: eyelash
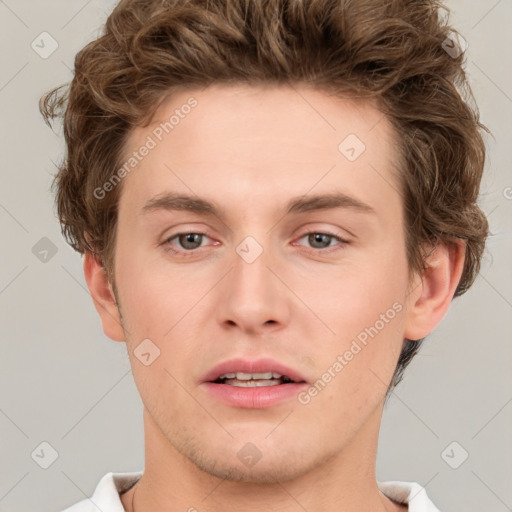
column 193, row 252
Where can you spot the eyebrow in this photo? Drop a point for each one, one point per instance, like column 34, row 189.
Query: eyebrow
column 301, row 204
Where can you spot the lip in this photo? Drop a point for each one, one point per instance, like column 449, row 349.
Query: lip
column 252, row 366
column 254, row 397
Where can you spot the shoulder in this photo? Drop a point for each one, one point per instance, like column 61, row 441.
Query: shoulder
column 408, row 493
column 106, row 494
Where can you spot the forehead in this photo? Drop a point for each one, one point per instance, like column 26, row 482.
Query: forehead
column 263, row 141
column 240, row 113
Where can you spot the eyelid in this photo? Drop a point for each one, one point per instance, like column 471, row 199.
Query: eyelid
column 185, row 229
column 341, row 241
column 171, row 248
column 324, row 232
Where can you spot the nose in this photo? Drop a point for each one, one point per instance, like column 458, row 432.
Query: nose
column 252, row 297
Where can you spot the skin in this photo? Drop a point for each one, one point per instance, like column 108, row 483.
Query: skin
column 250, row 150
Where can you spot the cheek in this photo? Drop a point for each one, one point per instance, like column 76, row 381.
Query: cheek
column 366, row 293
column 366, row 309
column 153, row 295
column 354, row 376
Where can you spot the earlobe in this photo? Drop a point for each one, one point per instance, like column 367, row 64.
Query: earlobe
column 103, row 297
column 431, row 299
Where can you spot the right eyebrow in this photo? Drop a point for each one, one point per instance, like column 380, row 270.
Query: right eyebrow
column 326, row 201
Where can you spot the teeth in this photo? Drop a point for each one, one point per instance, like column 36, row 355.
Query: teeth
column 244, row 376
column 251, row 380
column 251, row 376
column 253, row 383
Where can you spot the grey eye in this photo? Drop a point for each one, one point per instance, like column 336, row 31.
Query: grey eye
column 320, row 240
column 190, row 240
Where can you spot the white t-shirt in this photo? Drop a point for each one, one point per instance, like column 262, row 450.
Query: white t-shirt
column 106, row 495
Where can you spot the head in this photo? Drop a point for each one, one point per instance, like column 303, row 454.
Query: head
column 249, row 105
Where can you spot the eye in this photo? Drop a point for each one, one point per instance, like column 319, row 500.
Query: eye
column 187, row 242
column 320, row 240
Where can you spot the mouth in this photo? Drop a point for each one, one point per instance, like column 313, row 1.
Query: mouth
column 247, row 373
column 253, row 384
column 254, row 380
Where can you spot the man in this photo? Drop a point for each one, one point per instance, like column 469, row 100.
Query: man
column 276, row 203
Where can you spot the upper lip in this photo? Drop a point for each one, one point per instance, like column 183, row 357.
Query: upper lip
column 252, row 366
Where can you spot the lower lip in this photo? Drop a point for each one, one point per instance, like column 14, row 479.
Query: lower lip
column 254, row 398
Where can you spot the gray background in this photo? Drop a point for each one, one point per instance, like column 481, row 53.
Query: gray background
column 62, row 381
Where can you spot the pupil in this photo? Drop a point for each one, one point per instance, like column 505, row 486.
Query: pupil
column 190, row 238
column 317, row 237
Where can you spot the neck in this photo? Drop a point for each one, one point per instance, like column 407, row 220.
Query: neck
column 344, row 481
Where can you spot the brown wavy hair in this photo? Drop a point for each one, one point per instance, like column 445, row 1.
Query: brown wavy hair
column 393, row 51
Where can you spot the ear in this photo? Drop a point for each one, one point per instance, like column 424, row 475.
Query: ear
column 103, row 297
column 431, row 295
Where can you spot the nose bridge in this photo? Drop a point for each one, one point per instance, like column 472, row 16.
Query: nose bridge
column 250, row 273
column 252, row 295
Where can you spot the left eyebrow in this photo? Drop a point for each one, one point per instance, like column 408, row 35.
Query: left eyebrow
column 302, row 204
column 173, row 201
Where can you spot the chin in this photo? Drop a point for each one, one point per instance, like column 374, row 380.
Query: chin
column 279, row 465
column 275, row 471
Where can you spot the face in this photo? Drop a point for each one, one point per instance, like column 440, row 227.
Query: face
column 289, row 252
